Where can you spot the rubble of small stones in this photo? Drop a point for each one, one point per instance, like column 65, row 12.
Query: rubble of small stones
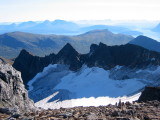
column 121, row 111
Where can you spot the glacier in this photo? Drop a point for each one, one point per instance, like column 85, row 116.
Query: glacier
column 57, row 86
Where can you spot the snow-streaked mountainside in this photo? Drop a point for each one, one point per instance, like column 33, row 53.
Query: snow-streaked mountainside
column 101, row 55
column 100, row 77
column 57, row 86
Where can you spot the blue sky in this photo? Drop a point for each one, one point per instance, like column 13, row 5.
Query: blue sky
column 25, row 10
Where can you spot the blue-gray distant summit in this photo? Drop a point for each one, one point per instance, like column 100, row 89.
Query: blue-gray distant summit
column 147, row 43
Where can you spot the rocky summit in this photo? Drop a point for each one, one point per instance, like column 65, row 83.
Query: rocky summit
column 13, row 95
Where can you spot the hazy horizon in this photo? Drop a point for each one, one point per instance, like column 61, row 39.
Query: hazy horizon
column 76, row 10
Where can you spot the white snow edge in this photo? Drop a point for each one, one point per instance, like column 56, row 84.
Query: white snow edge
column 85, row 102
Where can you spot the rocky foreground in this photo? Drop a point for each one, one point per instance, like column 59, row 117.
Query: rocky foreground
column 122, row 111
column 14, row 98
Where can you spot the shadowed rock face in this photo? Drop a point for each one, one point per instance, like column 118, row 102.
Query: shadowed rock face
column 100, row 55
column 125, row 55
column 149, row 94
column 68, row 55
column 30, row 65
column 12, row 91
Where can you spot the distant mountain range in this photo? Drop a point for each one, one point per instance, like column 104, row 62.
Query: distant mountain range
column 114, row 29
column 12, row 43
column 147, row 43
column 61, row 27
column 45, row 27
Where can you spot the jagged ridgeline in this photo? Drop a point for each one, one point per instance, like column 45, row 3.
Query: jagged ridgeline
column 101, row 55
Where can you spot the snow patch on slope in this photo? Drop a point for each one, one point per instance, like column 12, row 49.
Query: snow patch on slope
column 39, row 75
column 57, row 86
column 91, row 101
column 95, row 82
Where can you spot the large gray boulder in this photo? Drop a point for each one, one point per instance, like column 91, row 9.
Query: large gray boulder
column 13, row 94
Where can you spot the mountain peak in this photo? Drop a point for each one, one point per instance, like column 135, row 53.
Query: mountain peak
column 68, row 55
column 25, row 54
column 93, row 47
column 102, row 44
column 99, row 31
column 46, row 21
column 141, row 36
column 59, row 21
column 27, row 23
column 146, row 42
column 67, row 49
column 23, row 51
column 17, row 33
column 68, row 45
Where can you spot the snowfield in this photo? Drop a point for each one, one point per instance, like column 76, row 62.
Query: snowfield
column 57, row 86
column 91, row 101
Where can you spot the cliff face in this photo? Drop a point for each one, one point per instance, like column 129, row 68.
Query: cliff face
column 12, row 91
column 149, row 94
column 30, row 65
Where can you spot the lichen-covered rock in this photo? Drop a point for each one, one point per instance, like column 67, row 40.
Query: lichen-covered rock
column 12, row 91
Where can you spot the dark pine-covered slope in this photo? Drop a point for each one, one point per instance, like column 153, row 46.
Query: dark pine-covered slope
column 100, row 55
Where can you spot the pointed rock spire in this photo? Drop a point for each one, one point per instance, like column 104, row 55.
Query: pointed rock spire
column 67, row 49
